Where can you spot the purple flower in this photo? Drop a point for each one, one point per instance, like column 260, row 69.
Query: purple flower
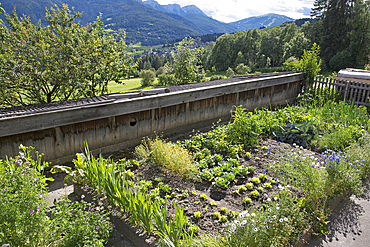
column 83, row 196
column 15, row 195
column 5, row 189
column 97, row 228
column 32, row 211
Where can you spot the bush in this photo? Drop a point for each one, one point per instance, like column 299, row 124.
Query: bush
column 167, row 80
column 147, row 77
column 216, row 77
column 230, row 72
column 341, row 60
column 160, row 71
column 242, row 69
column 25, row 218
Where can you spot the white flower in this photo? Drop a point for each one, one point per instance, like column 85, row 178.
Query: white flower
column 255, row 229
column 269, row 209
column 253, row 214
column 281, row 220
column 277, row 208
column 285, row 219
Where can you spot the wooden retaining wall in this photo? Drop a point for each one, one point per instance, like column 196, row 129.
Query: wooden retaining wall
column 122, row 122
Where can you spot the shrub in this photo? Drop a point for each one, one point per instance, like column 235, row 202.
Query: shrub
column 160, row 71
column 147, row 77
column 167, row 80
column 216, row 77
column 242, row 69
column 169, row 155
column 230, row 72
column 25, row 218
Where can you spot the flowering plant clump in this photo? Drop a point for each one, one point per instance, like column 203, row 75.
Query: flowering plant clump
column 319, row 177
column 23, row 200
column 261, row 226
column 25, row 218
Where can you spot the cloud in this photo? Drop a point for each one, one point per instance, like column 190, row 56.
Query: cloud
column 234, row 10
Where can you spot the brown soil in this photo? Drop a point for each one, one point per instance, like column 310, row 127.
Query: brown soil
column 223, row 197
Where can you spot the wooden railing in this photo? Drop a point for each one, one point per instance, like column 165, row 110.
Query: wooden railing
column 351, row 91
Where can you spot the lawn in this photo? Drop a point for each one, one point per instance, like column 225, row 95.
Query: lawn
column 128, row 85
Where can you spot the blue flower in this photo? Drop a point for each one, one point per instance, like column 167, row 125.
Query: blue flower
column 294, row 167
column 279, row 143
column 276, row 183
column 329, row 166
column 281, row 173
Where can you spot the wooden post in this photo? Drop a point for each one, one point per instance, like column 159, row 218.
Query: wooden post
column 345, row 91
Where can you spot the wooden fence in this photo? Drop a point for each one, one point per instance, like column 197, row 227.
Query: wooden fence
column 351, row 91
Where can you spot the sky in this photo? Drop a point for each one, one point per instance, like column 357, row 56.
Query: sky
column 234, row 10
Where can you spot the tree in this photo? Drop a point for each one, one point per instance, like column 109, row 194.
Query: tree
column 186, row 62
column 310, row 63
column 147, row 77
column 345, row 31
column 147, row 65
column 61, row 61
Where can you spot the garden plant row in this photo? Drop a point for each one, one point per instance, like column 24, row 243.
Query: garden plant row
column 260, row 180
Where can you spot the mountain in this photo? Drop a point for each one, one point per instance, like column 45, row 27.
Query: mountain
column 173, row 8
column 268, row 20
column 210, row 25
column 156, row 24
column 141, row 23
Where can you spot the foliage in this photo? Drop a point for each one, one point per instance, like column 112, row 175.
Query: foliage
column 169, row 155
column 216, row 77
column 186, row 60
column 310, row 63
column 147, row 77
column 81, row 223
column 230, row 73
column 242, row 69
column 167, row 80
column 26, row 219
column 61, row 61
column 300, row 134
column 260, row 227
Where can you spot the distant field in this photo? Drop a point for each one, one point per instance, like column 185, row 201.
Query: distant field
column 137, row 49
column 128, row 85
column 133, row 84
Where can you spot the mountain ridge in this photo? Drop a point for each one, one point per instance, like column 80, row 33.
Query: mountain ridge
column 142, row 23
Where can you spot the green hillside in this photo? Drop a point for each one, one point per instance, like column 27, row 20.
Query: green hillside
column 142, row 24
column 268, row 20
column 210, row 25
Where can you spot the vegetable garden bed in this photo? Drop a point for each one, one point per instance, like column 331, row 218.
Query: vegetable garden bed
column 234, row 185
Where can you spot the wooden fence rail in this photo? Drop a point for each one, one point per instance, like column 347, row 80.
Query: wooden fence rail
column 351, row 91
